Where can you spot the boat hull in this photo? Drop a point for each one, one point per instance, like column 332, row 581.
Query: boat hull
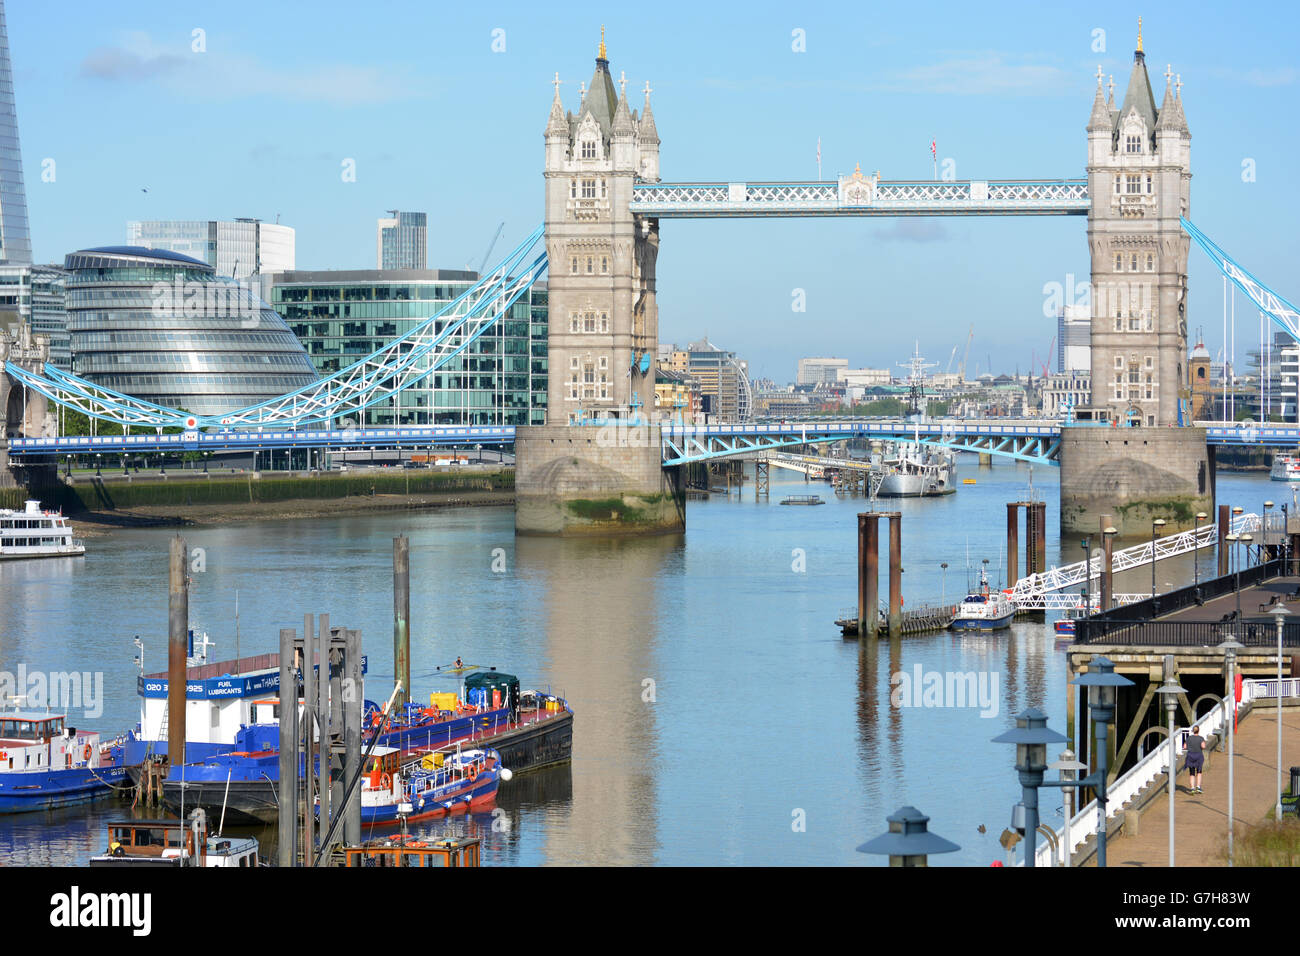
column 981, row 624
column 36, row 790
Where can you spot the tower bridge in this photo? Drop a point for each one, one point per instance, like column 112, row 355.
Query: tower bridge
column 598, row 245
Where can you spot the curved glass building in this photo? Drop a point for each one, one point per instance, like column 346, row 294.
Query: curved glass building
column 164, row 327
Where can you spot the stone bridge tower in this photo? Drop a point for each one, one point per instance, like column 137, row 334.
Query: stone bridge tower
column 596, row 466
column 27, row 413
column 1139, row 183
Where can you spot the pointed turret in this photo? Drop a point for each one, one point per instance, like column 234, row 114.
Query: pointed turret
column 1100, row 118
column 1168, row 112
column 557, row 125
column 601, row 101
column 1138, row 96
column 649, row 132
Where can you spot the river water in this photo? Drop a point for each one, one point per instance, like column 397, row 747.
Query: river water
column 720, row 716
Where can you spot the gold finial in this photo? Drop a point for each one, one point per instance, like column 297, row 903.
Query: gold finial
column 602, row 56
column 1139, row 34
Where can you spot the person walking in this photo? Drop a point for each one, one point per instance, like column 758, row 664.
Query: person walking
column 1195, row 758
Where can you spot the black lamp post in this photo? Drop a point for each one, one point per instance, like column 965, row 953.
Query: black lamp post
column 1155, row 530
column 908, row 841
column 1102, row 682
column 1263, row 531
column 1236, row 572
column 98, row 474
column 1031, row 737
column 1087, row 575
column 943, row 587
column 1196, row 553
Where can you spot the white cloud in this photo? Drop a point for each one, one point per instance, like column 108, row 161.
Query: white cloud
column 982, row 73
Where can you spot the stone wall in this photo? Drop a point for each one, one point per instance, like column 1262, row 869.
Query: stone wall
column 575, row 480
column 1136, row 475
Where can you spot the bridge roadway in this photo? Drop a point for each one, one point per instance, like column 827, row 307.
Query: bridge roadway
column 1033, row 440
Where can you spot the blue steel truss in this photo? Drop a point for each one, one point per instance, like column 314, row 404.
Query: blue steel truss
column 401, row 364
column 1269, row 302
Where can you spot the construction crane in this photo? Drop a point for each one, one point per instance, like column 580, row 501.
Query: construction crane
column 492, row 245
column 948, row 370
column 966, row 356
column 1048, row 364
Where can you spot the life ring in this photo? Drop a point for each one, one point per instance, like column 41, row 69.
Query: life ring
column 385, row 782
column 416, row 844
column 87, row 752
column 473, row 772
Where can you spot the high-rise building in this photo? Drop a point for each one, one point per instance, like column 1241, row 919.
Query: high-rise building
column 402, row 241
column 167, row 328
column 15, row 237
column 36, row 295
column 341, row 316
column 819, row 371
column 723, row 379
column 237, row 248
column 1074, row 339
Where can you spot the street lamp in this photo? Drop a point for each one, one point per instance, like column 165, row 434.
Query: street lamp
column 1230, row 648
column 1196, row 554
column 98, row 473
column 1170, row 690
column 1280, row 614
column 1101, row 681
column 908, row 840
column 943, row 586
column 1155, row 530
column 1031, row 737
column 1263, row 530
column 1232, row 538
column 1246, row 539
column 1069, row 769
column 1087, row 575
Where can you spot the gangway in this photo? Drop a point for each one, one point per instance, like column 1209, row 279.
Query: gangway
column 1029, row 591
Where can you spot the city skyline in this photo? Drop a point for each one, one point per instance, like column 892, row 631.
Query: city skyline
column 1001, row 100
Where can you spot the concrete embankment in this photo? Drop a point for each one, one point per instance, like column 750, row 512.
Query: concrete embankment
column 96, row 506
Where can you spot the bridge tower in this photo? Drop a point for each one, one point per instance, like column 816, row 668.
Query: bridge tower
column 1139, row 184
column 27, row 413
column 595, row 466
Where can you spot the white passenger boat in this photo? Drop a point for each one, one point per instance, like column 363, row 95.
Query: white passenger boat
column 910, row 470
column 984, row 610
column 1285, row 468
column 33, row 533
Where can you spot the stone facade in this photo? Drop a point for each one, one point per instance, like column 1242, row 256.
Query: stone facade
column 1136, row 475
column 27, row 413
column 1139, row 183
column 604, row 323
column 595, row 480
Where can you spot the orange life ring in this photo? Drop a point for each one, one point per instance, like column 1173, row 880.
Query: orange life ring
column 386, row 782
column 473, row 772
column 416, row 844
column 87, row 752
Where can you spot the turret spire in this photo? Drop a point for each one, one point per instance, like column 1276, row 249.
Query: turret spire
column 601, row 54
column 1139, row 49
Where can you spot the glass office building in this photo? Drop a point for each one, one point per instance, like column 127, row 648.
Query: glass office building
column 401, row 241
column 341, row 316
column 15, row 238
column 36, row 293
column 166, row 328
column 237, row 248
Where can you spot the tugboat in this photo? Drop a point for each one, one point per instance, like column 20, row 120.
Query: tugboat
column 442, row 783
column 984, row 610
column 44, row 763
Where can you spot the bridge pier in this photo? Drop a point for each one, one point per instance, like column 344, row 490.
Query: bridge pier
column 1135, row 474
column 596, row 480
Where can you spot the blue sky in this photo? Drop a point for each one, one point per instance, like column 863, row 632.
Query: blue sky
column 259, row 123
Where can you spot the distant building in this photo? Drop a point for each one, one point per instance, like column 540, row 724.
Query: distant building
column 819, row 371
column 677, row 397
column 1074, row 339
column 15, row 237
column 854, row 377
column 238, row 248
column 724, row 381
column 402, row 241
column 36, row 293
column 341, row 316
column 164, row 327
column 1063, row 392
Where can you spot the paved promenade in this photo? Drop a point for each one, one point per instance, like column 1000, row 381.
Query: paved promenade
column 1201, row 820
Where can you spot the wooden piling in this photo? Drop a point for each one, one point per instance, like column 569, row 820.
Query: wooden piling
column 1225, row 526
column 308, row 739
column 868, row 574
column 1039, row 509
column 287, row 841
column 1013, row 543
column 895, row 573
column 402, row 615
column 178, row 623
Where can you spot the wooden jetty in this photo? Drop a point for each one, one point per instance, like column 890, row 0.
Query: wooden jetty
column 921, row 620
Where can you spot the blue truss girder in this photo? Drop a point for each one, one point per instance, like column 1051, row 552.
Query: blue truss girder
column 1282, row 312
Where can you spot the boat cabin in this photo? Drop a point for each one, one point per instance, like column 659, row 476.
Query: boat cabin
column 31, row 740
column 23, row 728
column 410, row 851
column 173, row 843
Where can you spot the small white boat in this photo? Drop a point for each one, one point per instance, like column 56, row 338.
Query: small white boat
column 1285, row 468
column 984, row 610
column 33, row 533
column 173, row 843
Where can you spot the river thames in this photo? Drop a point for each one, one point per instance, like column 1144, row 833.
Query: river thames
column 720, row 716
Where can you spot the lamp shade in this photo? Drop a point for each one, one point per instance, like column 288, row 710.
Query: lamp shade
column 1102, row 682
column 1031, row 737
column 908, row 836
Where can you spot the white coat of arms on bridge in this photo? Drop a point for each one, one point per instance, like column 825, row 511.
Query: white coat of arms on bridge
column 857, row 190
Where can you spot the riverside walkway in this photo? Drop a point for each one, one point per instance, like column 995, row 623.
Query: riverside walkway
column 1201, row 820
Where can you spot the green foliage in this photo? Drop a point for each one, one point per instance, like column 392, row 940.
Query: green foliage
column 1276, row 843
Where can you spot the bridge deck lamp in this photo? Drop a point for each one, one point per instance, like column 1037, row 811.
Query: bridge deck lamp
column 1102, row 683
column 1108, row 539
column 1280, row 614
column 1031, row 737
column 1169, row 691
column 1229, row 647
column 908, row 841
column 1263, row 525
